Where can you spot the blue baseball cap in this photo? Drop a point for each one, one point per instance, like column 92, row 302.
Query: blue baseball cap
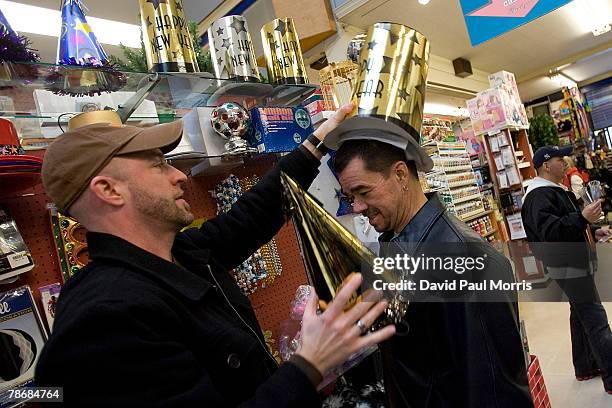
column 546, row 153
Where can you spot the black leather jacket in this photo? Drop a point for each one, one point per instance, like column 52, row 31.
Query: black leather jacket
column 456, row 354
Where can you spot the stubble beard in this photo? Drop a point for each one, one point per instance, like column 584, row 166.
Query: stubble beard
column 161, row 209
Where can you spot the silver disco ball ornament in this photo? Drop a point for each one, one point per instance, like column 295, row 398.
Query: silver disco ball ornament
column 231, row 121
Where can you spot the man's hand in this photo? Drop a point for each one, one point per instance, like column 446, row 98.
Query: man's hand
column 333, row 122
column 592, row 212
column 329, row 339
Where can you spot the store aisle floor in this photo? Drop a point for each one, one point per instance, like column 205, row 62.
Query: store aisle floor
column 549, row 338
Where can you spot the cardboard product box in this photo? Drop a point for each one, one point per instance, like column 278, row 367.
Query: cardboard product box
column 504, row 78
column 494, row 109
column 49, row 294
column 524, row 118
column 206, row 145
column 15, row 256
column 476, row 116
column 278, row 128
column 21, row 341
column 511, row 107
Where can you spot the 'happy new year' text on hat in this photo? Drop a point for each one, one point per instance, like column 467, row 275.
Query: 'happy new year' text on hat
column 389, row 93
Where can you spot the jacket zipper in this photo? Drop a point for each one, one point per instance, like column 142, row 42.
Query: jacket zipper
column 262, row 344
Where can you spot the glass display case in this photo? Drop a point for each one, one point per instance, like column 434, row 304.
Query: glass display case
column 145, row 96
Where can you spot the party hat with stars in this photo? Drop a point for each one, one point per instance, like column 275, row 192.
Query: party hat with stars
column 231, row 49
column 166, row 37
column 78, row 46
column 389, row 93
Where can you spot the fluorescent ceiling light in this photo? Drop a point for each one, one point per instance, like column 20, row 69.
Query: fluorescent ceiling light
column 424, row 2
column 601, row 30
column 43, row 21
column 593, row 16
column 562, row 80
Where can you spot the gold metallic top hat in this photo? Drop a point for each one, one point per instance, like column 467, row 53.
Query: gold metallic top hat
column 389, row 93
column 282, row 51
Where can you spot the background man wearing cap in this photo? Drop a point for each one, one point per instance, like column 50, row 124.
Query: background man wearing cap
column 155, row 319
column 559, row 234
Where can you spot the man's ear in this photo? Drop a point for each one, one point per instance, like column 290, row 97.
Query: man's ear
column 401, row 171
column 108, row 190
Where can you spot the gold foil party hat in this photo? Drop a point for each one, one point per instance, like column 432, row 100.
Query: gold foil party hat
column 283, row 53
column 389, row 92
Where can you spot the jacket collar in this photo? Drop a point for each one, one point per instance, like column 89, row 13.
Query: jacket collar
column 420, row 224
column 107, row 247
column 539, row 182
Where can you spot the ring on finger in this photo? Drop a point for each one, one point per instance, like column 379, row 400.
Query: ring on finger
column 362, row 327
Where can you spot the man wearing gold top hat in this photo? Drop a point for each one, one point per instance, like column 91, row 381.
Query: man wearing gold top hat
column 455, row 353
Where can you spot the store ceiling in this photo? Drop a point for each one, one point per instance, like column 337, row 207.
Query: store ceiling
column 590, row 66
column 529, row 51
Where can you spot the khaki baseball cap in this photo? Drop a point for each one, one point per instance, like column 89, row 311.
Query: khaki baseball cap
column 77, row 156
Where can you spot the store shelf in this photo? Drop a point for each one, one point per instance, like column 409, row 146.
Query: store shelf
column 470, row 216
column 490, row 233
column 462, row 183
column 426, row 143
column 476, row 216
column 468, row 198
column 436, row 189
column 457, row 168
column 513, row 187
column 170, row 91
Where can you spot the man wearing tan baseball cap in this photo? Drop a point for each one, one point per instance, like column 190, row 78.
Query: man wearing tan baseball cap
column 77, row 156
column 155, row 319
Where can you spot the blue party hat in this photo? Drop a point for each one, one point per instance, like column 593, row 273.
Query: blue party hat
column 77, row 44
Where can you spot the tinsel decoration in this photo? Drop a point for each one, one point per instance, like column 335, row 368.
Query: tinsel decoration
column 14, row 47
column 269, row 339
column 347, row 394
column 261, row 268
column 79, row 47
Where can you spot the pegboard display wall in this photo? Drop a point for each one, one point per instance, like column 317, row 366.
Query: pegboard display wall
column 272, row 303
